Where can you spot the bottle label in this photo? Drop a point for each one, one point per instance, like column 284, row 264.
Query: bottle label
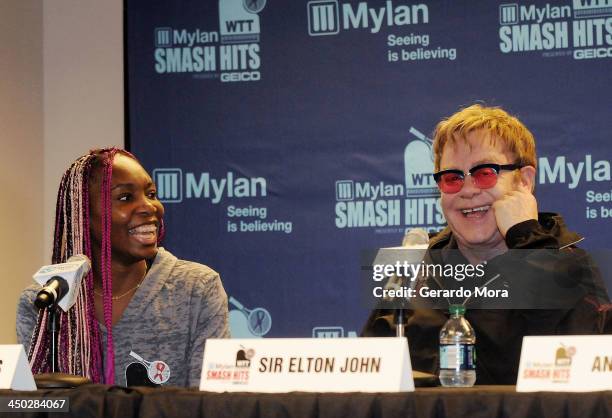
column 457, row 357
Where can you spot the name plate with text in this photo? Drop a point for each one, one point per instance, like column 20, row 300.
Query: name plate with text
column 307, row 365
column 15, row 372
column 566, row 363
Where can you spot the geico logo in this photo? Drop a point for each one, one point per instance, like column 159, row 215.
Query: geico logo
column 581, row 54
column 241, row 76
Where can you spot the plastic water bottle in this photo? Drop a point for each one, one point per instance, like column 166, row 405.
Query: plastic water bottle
column 457, row 353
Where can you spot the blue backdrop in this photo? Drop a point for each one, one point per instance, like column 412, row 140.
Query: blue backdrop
column 285, row 137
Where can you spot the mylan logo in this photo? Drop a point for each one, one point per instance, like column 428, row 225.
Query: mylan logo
column 508, row 14
column 163, row 37
column 169, row 183
column 345, row 190
column 323, row 18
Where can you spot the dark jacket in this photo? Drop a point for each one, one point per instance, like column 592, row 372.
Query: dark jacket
column 499, row 333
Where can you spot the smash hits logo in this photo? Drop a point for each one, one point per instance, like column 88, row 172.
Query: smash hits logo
column 582, row 29
column 238, row 373
column 384, row 206
column 231, row 54
column 558, row 371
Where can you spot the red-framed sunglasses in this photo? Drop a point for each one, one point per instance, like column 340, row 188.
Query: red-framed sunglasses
column 484, row 176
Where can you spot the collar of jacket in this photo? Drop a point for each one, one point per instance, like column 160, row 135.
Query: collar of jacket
column 552, row 223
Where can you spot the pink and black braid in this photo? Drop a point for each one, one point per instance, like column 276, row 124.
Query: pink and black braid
column 79, row 340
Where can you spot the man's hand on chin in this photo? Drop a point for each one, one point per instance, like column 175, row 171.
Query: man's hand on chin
column 515, row 207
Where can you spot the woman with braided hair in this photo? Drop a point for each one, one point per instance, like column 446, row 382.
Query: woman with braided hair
column 141, row 316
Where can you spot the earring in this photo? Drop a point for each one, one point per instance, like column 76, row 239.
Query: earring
column 162, row 232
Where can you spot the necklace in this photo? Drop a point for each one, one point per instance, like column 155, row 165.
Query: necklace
column 149, row 263
column 123, row 294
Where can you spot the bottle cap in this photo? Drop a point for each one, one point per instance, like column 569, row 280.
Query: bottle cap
column 456, row 309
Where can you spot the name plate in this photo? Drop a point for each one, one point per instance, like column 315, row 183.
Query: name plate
column 15, row 372
column 277, row 365
column 563, row 363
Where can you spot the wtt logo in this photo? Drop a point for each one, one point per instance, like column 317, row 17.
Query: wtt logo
column 592, row 8
column 419, row 167
column 238, row 20
column 332, row 332
column 418, row 176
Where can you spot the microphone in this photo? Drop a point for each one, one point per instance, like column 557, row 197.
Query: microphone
column 414, row 239
column 60, row 282
column 54, row 290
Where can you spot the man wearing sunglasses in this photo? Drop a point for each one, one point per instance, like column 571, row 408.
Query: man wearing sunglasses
column 485, row 168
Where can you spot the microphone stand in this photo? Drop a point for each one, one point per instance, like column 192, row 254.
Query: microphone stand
column 56, row 380
column 51, row 309
column 399, row 319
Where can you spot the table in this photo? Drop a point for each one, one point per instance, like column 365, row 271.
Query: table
column 479, row 401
